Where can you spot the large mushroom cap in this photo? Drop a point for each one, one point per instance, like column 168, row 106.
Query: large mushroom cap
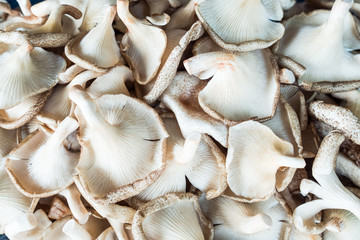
column 123, row 143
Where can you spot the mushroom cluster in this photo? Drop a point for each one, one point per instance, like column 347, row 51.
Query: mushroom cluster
column 180, row 119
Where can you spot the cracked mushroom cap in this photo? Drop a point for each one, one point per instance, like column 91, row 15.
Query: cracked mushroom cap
column 96, row 50
column 123, row 144
column 247, row 221
column 322, row 43
column 41, row 166
column 181, row 98
column 142, row 54
column 330, row 191
column 242, row 25
column 254, row 157
column 196, row 158
column 173, row 216
column 225, row 97
column 27, row 71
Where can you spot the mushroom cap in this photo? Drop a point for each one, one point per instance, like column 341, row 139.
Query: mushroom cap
column 225, row 97
column 341, row 224
column 221, row 20
column 254, row 155
column 27, row 71
column 123, row 143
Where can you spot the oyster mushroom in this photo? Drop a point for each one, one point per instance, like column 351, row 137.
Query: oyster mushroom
column 142, row 54
column 346, row 167
column 87, row 50
column 225, row 97
column 355, row 8
column 330, row 191
column 236, row 220
column 123, row 143
column 27, row 71
column 155, row 219
column 333, row 67
column 183, row 18
column 341, row 224
column 254, row 156
column 95, row 12
column 351, row 100
column 235, row 25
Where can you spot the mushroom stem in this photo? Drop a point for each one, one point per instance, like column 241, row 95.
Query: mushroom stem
column 25, row 6
column 70, row 73
column 293, row 162
column 23, row 223
column 82, row 78
column 255, row 224
column 76, row 206
column 337, row 15
column 75, row 231
column 67, row 126
column 124, row 14
column 189, row 149
column 119, row 228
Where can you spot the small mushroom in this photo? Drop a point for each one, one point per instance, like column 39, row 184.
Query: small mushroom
column 341, row 224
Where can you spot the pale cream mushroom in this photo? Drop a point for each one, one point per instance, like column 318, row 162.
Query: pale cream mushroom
column 196, row 158
column 341, row 224
column 297, row 235
column 322, row 42
column 173, row 216
column 235, row 220
column 88, row 50
column 123, row 144
column 27, row 71
column 242, row 25
column 177, row 42
column 142, row 54
column 330, row 191
column 225, row 97
column 346, row 167
column 254, row 156
column 107, row 234
column 351, row 100
column 44, row 8
column 181, row 98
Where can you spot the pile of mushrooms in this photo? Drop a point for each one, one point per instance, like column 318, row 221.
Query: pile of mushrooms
column 180, row 119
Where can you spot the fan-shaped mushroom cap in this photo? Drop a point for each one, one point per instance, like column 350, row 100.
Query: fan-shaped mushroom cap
column 330, row 191
column 195, row 157
column 242, row 25
column 23, row 112
column 341, row 224
column 173, row 216
column 337, row 117
column 297, row 235
column 142, row 54
column 123, row 144
column 181, row 98
column 235, row 220
column 324, row 39
column 254, row 156
column 225, row 96
column 41, row 166
column 88, row 50
column 178, row 40
column 27, row 71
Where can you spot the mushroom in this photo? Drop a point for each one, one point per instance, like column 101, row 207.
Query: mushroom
column 27, row 71
column 142, row 54
column 157, row 6
column 173, row 216
column 107, row 234
column 183, row 18
column 44, row 8
column 330, row 191
column 355, row 8
column 351, row 100
column 181, row 98
column 196, row 158
column 257, row 27
column 329, row 67
column 87, row 50
column 58, row 209
column 346, row 167
column 297, row 235
column 341, row 224
column 254, row 156
column 123, row 144
column 237, row 220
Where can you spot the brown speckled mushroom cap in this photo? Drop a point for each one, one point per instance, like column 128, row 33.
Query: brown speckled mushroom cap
column 123, row 144
column 225, row 97
column 235, row 25
column 173, row 216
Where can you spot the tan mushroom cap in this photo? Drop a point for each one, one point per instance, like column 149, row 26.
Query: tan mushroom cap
column 237, row 220
column 181, row 98
column 41, row 166
column 225, row 97
column 325, row 39
column 27, row 71
column 88, row 50
column 221, row 20
column 196, row 158
column 155, row 219
column 142, row 54
column 254, row 156
column 116, row 130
